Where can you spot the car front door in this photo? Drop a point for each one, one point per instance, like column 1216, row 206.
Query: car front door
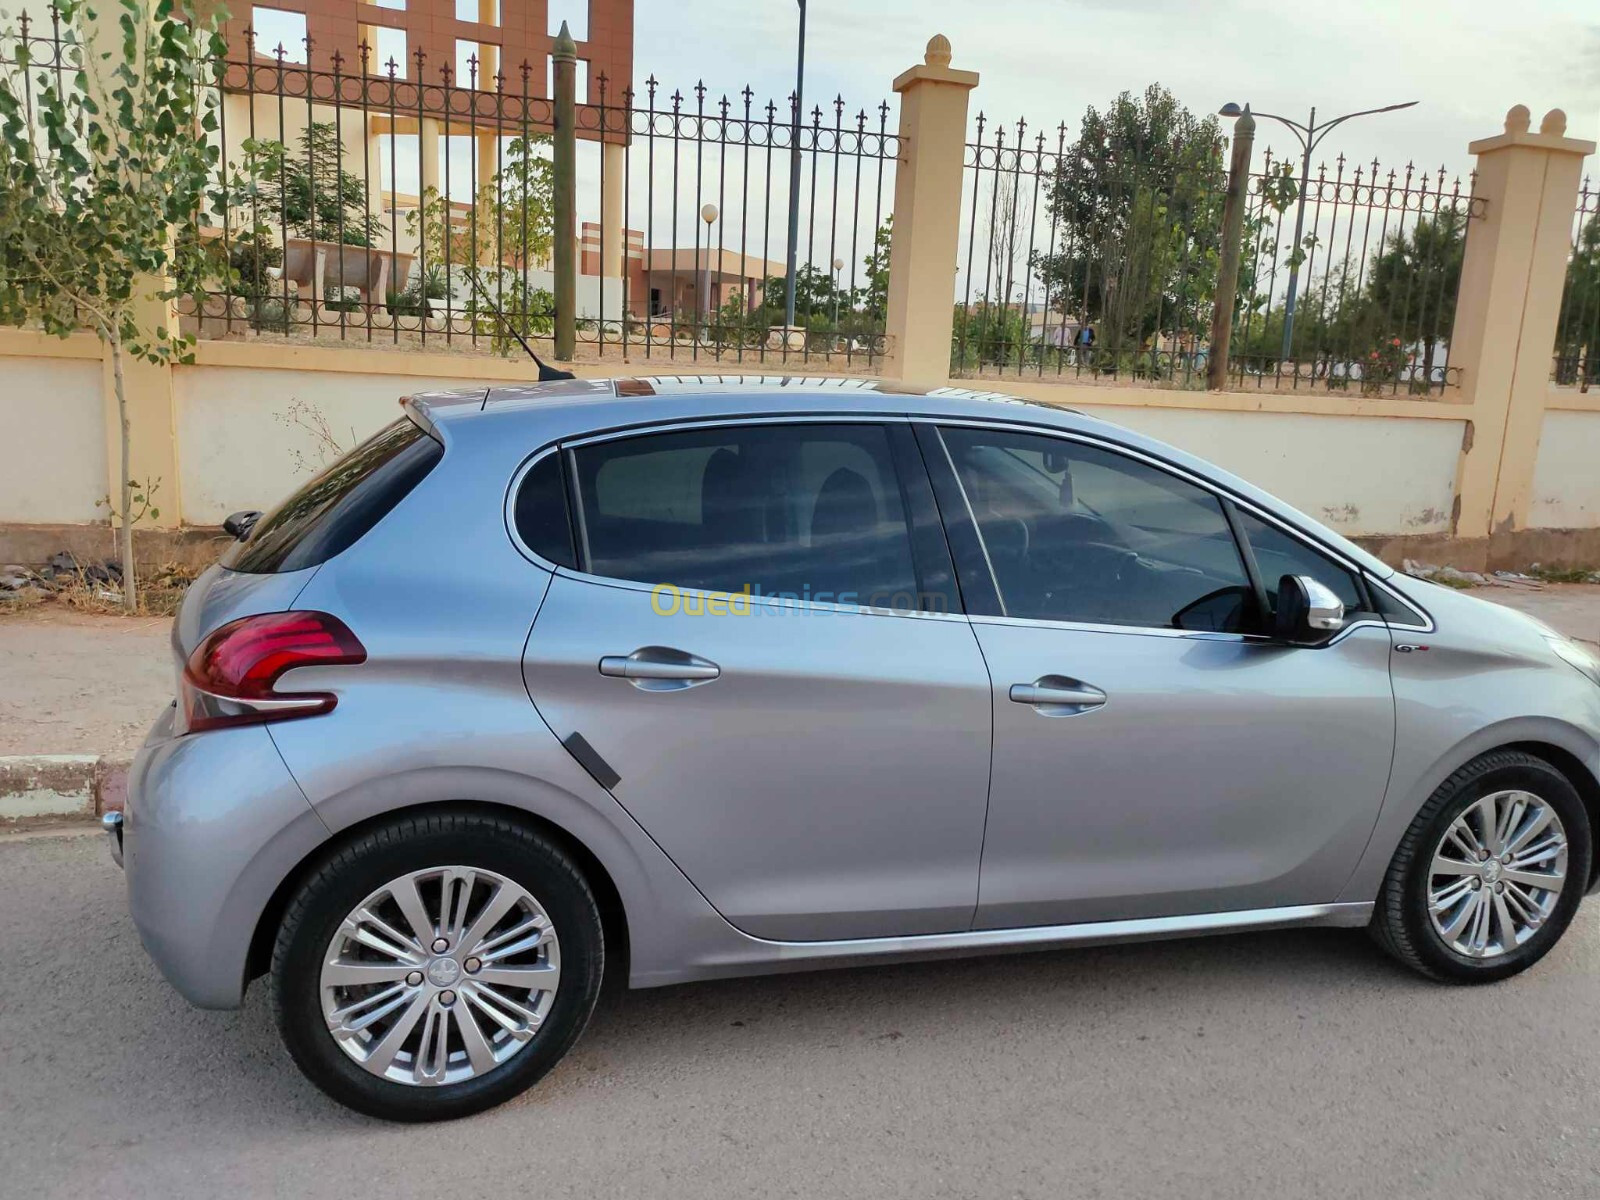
column 1154, row 754
column 747, row 649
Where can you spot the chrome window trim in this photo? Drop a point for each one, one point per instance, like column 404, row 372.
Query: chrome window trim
column 569, row 445
column 1188, row 476
column 865, row 610
column 1211, row 488
column 880, row 418
column 1353, row 914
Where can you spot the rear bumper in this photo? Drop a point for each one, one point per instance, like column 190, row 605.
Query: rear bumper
column 214, row 823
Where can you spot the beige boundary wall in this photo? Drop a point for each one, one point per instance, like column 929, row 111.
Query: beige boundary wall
column 1502, row 456
column 1366, row 467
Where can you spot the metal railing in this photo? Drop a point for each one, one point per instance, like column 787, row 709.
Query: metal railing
column 1102, row 266
column 1577, row 349
column 415, row 204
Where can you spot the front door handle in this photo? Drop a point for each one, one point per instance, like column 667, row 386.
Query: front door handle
column 659, row 669
column 1057, row 695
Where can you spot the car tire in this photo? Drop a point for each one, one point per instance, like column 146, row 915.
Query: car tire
column 1404, row 921
column 474, row 853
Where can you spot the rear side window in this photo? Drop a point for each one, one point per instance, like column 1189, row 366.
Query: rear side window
column 332, row 512
column 809, row 512
column 541, row 515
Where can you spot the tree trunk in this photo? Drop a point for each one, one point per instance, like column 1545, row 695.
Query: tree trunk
column 130, row 586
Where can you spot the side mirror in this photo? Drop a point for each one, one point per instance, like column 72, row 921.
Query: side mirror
column 240, row 524
column 1307, row 610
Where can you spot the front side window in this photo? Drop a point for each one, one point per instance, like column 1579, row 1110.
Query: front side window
column 1075, row 533
column 1277, row 554
column 811, row 512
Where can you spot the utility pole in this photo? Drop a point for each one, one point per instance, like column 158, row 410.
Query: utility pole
column 1308, row 135
column 794, row 168
column 1244, row 133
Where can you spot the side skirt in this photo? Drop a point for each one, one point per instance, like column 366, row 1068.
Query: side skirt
column 748, row 955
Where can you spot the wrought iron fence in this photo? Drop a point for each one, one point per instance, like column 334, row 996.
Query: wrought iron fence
column 1102, row 265
column 413, row 203
column 1577, row 351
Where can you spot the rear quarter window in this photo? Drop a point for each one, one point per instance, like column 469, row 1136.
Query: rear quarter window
column 332, row 512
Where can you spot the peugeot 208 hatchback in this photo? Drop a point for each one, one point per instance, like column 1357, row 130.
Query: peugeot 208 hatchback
column 691, row 678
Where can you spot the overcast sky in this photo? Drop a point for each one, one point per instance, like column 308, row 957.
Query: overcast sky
column 1467, row 61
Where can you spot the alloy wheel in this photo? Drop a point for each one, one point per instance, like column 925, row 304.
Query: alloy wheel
column 440, row 976
column 1497, row 874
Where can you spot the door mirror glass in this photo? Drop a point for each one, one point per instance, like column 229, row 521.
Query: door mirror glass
column 1307, row 611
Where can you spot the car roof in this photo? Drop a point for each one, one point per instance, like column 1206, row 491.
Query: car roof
column 673, row 397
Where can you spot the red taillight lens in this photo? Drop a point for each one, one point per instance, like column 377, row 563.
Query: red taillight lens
column 229, row 678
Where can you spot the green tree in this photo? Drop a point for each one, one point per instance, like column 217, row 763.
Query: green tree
column 509, row 228
column 94, row 177
column 814, row 293
column 1412, row 285
column 872, row 297
column 307, row 192
column 1578, row 327
column 512, row 219
column 1137, row 207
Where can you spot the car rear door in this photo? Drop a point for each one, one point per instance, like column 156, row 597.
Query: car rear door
column 1153, row 754
column 753, row 644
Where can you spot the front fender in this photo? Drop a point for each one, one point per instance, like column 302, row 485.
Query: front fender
column 1420, row 769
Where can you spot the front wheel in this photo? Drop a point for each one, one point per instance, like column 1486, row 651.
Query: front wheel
column 1490, row 873
column 437, row 966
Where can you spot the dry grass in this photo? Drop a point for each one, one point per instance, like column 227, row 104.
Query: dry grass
column 161, row 590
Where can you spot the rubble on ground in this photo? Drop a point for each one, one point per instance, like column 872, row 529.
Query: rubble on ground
column 62, row 571
column 1531, row 580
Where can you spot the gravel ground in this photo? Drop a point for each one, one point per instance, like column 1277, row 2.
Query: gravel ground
column 1272, row 1065
column 81, row 683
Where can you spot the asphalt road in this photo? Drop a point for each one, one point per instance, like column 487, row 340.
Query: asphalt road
column 1272, row 1065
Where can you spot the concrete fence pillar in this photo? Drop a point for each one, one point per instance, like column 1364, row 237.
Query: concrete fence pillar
column 612, row 169
column 1505, row 327
column 927, row 216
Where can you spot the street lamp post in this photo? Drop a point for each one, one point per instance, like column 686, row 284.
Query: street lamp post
column 838, row 265
column 1308, row 135
column 708, row 214
column 794, row 168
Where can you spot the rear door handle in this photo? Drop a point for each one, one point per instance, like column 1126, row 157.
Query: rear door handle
column 659, row 669
column 1058, row 693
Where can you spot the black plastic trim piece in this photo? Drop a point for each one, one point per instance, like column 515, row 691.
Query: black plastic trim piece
column 979, row 594
column 589, row 759
column 930, row 549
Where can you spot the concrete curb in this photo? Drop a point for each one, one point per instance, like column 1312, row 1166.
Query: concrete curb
column 35, row 786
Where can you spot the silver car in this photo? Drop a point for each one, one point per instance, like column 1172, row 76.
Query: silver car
column 673, row 679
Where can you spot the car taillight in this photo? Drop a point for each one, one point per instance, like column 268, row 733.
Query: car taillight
column 229, row 678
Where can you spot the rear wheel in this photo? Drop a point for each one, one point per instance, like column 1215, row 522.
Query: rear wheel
column 436, row 966
column 1490, row 873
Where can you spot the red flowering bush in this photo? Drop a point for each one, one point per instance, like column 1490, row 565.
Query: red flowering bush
column 1381, row 367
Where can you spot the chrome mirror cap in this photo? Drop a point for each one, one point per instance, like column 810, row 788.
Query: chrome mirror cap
column 1324, row 610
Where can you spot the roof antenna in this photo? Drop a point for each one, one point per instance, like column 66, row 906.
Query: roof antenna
column 547, row 373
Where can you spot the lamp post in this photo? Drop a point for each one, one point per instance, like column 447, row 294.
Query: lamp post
column 794, row 167
column 1309, row 135
column 838, row 265
column 708, row 214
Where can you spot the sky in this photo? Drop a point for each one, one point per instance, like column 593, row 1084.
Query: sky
column 1467, row 61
